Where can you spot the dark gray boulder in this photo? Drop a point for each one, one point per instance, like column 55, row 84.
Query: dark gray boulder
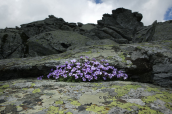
column 127, row 19
column 37, row 27
column 12, row 44
column 124, row 20
column 55, row 42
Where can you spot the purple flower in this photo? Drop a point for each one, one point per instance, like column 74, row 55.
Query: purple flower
column 95, row 77
column 94, row 59
column 87, row 57
column 88, row 70
column 70, row 74
column 93, row 68
column 73, row 61
column 104, row 78
column 96, row 63
column 39, row 78
column 106, row 64
column 68, row 67
column 73, row 70
column 84, row 79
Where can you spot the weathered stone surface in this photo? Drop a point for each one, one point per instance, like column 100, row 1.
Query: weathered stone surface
column 26, row 51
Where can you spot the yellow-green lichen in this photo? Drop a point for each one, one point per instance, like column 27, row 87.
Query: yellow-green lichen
column 152, row 89
column 4, row 86
column 167, row 41
column 76, row 103
column 59, row 102
column 95, row 88
column 122, row 90
column 98, row 109
column 164, row 96
column 97, row 84
column 121, row 105
column 139, row 47
column 53, row 110
column 87, row 52
column 57, row 59
column 32, row 84
column 67, row 56
column 36, row 90
column 122, row 56
column 24, row 88
column 69, row 113
column 110, row 57
column 142, row 109
column 18, row 107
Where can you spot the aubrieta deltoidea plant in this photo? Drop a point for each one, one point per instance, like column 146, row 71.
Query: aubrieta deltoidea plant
column 88, row 71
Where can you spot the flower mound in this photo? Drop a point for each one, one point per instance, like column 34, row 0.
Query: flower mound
column 90, row 70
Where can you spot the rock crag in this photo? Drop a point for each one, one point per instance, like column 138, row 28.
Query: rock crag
column 143, row 52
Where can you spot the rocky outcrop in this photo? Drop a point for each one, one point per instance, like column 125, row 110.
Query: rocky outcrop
column 122, row 26
column 122, row 18
column 21, row 48
column 146, row 62
column 15, row 42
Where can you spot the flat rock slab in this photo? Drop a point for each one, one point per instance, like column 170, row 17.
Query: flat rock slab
column 33, row 96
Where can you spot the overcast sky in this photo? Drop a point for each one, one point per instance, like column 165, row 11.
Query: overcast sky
column 16, row 12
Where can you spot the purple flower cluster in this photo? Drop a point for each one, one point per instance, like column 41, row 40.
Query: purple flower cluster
column 90, row 70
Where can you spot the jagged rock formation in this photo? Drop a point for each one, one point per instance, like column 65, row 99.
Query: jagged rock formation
column 145, row 35
column 54, row 36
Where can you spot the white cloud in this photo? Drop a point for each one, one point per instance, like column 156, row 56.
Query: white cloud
column 16, row 12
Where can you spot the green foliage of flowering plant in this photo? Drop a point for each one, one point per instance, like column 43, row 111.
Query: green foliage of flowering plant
column 88, row 71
